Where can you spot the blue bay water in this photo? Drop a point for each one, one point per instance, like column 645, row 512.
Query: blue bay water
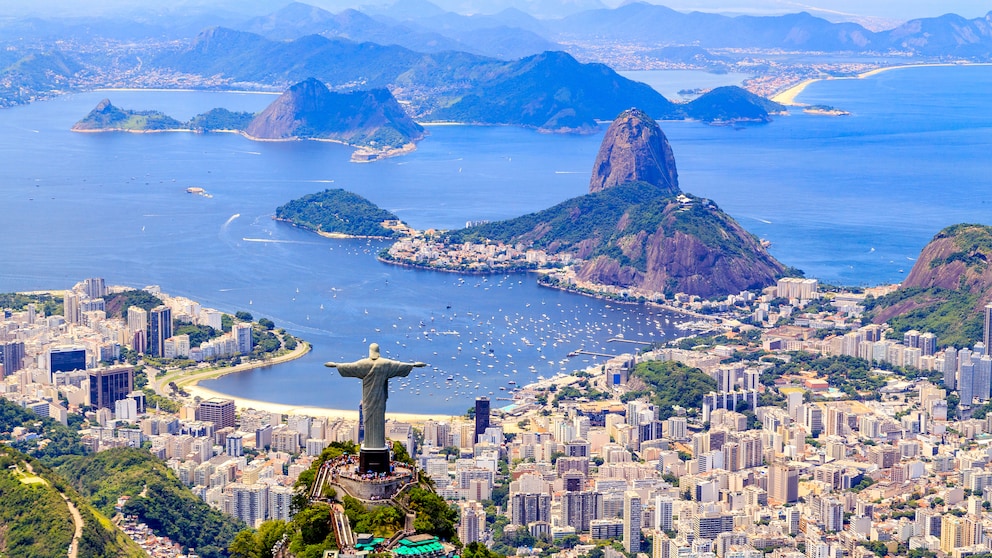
column 850, row 200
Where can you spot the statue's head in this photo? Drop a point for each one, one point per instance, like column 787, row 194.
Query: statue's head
column 374, row 351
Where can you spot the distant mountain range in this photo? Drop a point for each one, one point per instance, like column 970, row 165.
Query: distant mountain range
column 550, row 91
column 427, row 28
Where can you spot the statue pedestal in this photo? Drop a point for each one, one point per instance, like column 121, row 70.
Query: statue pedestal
column 373, row 460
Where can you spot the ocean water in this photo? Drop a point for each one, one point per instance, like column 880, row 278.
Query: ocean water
column 850, row 200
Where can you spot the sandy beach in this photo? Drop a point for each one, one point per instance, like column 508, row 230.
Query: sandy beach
column 191, row 384
column 788, row 97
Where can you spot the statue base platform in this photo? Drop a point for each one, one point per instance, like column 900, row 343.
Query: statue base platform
column 373, row 460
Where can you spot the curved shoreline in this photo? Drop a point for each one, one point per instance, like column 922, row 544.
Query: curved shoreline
column 191, row 384
column 788, row 96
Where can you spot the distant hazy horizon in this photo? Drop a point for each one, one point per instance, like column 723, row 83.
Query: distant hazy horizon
column 856, row 10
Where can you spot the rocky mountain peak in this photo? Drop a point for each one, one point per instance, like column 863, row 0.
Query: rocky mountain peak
column 635, row 149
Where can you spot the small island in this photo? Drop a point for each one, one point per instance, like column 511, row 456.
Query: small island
column 338, row 213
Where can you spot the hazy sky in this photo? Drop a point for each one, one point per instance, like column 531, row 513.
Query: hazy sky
column 888, row 9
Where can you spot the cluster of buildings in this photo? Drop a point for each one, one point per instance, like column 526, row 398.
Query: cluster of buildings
column 472, row 256
column 59, row 363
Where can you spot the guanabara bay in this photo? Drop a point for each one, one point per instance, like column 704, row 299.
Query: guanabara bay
column 448, row 279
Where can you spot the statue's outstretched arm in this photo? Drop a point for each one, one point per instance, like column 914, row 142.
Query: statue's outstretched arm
column 350, row 369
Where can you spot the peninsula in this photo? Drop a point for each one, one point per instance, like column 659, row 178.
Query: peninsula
column 636, row 234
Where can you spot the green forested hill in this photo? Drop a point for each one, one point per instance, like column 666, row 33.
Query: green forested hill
column 168, row 507
column 673, row 383
column 35, row 519
column 338, row 211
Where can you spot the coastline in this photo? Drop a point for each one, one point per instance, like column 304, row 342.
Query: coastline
column 788, row 96
column 191, row 385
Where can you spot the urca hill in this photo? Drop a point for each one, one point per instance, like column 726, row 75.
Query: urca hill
column 636, row 228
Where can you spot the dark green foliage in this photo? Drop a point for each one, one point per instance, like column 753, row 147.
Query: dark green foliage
column 49, row 304
column 243, row 316
column 35, row 519
column 264, row 342
column 197, row 333
column 949, row 314
column 35, row 73
column 118, row 304
column 853, row 376
column 641, row 208
column 62, row 440
column 674, row 383
column 220, row 119
column 434, row 515
column 169, row 508
column 477, row 550
column 400, row 454
column 338, row 211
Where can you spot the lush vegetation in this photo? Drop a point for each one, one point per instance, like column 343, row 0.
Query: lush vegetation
column 168, row 507
column 44, row 437
column 673, row 383
column 108, row 117
column 36, row 520
column 951, row 315
column 338, row 211
column 219, row 119
column 615, row 223
column 117, row 304
column 954, row 314
column 197, row 333
column 434, row 515
column 45, row 303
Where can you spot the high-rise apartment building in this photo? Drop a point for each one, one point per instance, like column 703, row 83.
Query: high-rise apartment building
column 159, row 329
column 12, row 357
column 632, row 522
column 987, row 338
column 783, row 484
column 481, row 416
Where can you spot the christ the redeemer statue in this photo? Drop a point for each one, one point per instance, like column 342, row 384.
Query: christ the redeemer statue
column 375, row 373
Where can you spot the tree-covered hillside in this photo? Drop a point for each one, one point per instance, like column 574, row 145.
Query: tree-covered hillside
column 338, row 211
column 673, row 383
column 167, row 506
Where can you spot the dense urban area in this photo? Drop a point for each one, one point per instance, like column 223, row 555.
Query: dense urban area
column 786, row 428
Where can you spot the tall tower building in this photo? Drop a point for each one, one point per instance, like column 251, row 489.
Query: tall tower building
column 481, row 416
column 242, row 334
column 632, row 522
column 95, row 287
column 663, row 513
column 70, row 307
column 12, row 357
column 160, row 329
column 988, row 326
